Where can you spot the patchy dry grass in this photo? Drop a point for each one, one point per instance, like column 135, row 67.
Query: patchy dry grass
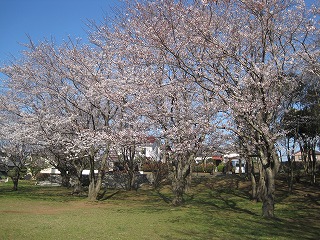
column 215, row 208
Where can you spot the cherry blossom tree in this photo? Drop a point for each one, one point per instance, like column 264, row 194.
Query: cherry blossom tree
column 169, row 103
column 64, row 96
column 243, row 52
column 179, row 69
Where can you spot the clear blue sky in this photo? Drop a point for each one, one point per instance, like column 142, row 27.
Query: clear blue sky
column 48, row 18
column 45, row 19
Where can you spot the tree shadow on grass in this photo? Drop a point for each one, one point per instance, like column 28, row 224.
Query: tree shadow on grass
column 222, row 193
column 215, row 199
column 163, row 197
column 103, row 197
column 233, row 205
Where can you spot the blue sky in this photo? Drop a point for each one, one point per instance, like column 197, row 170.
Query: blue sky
column 45, row 19
column 48, row 18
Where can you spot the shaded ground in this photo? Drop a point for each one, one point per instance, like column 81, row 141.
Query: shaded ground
column 215, row 208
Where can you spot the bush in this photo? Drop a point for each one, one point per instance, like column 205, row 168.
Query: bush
column 209, row 168
column 220, row 167
column 43, row 176
column 153, row 166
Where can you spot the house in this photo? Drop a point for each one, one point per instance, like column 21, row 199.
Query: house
column 150, row 149
column 233, row 161
column 3, row 169
column 217, row 159
column 298, row 156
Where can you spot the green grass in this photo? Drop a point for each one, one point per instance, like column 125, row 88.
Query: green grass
column 214, row 209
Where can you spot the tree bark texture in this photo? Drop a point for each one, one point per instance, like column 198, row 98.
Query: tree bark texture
column 267, row 186
column 96, row 180
column 181, row 173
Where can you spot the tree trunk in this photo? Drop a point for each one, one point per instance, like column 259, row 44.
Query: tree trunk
column 253, row 180
column 65, row 178
column 95, row 187
column 77, row 186
column 131, row 167
column 253, row 187
column 14, row 174
column 314, row 165
column 181, row 171
column 96, row 181
column 178, row 187
column 270, row 166
column 189, row 180
column 92, row 192
column 77, row 180
column 131, row 183
column 268, row 195
column 261, row 183
column 15, row 181
column 240, row 167
column 291, row 176
column 78, row 167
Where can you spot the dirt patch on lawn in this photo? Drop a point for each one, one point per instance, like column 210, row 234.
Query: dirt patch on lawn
column 45, row 208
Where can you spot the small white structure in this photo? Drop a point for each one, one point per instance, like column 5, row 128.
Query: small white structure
column 230, row 156
column 50, row 171
column 235, row 161
column 87, row 172
column 236, row 166
column 150, row 148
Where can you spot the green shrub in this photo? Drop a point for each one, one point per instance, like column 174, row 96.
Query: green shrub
column 202, row 168
column 220, row 167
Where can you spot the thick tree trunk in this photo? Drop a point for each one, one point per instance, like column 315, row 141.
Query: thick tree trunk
column 178, row 188
column 95, row 187
column 131, row 182
column 181, row 172
column 77, row 180
column 270, row 166
column 93, row 192
column 77, row 186
column 65, row 178
column 78, row 167
column 268, row 195
column 96, row 180
column 189, row 180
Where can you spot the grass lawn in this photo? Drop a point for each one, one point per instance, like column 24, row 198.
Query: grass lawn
column 215, row 208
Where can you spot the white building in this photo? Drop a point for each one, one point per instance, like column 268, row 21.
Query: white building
column 235, row 160
column 150, row 149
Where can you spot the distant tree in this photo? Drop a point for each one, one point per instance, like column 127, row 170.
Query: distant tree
column 16, row 163
column 302, row 124
column 36, row 163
